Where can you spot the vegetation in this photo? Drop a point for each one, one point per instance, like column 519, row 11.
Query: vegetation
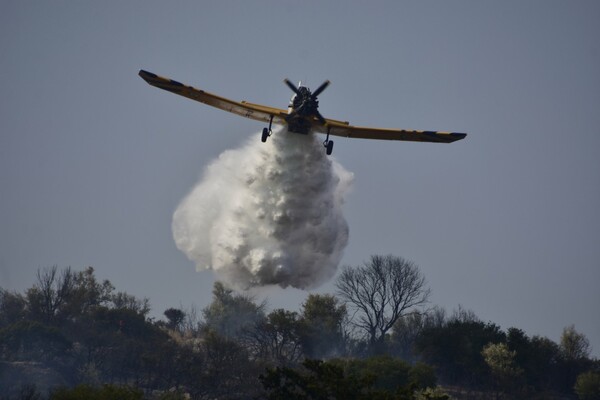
column 71, row 336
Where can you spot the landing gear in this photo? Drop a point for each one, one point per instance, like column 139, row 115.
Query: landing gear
column 328, row 143
column 329, row 147
column 266, row 132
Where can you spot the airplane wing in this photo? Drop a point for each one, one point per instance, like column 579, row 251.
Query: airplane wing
column 243, row 108
column 344, row 129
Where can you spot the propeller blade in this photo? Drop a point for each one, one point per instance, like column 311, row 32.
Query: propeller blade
column 320, row 89
column 291, row 86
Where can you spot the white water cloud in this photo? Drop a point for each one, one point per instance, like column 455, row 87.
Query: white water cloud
column 267, row 213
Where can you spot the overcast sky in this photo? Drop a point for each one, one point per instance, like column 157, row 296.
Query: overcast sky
column 93, row 161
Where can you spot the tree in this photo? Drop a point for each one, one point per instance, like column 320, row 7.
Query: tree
column 276, row 338
column 501, row 361
column 381, row 291
column 322, row 332
column 574, row 345
column 175, row 318
column 454, row 348
column 542, row 364
column 318, row 380
column 50, row 294
column 385, row 372
column 587, row 386
column 32, row 341
column 407, row 329
column 574, row 351
column 379, row 377
column 12, row 307
column 64, row 295
column 87, row 293
column 230, row 313
column 125, row 301
column 228, row 372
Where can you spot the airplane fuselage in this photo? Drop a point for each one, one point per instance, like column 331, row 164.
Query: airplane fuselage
column 301, row 110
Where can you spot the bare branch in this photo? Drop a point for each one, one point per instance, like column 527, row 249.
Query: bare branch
column 381, row 291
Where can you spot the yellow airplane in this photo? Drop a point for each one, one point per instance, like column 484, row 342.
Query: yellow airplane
column 302, row 115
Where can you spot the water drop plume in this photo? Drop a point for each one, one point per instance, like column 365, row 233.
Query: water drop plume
column 267, row 214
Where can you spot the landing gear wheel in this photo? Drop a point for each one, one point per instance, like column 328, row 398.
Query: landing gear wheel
column 265, row 134
column 329, row 147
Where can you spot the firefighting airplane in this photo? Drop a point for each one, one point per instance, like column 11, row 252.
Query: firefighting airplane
column 302, row 115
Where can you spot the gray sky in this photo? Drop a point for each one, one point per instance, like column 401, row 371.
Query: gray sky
column 93, row 161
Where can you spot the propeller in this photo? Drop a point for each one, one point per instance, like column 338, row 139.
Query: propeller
column 313, row 97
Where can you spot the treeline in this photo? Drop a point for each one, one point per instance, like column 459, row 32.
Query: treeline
column 71, row 336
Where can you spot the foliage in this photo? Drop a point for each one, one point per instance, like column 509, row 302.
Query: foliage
column 379, row 377
column 227, row 371
column 31, row 340
column 505, row 374
column 384, row 372
column 276, row 338
column 431, row 394
column 74, row 330
column 230, row 313
column 501, row 360
column 454, row 348
column 175, row 318
column 317, row 380
column 126, row 301
column 422, row 375
column 12, row 307
column 574, row 345
column 322, row 322
column 587, row 386
column 106, row 392
column 408, row 328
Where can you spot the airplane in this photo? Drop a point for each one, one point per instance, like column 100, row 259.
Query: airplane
column 302, row 115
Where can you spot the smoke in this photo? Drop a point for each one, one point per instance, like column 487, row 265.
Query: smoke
column 267, row 213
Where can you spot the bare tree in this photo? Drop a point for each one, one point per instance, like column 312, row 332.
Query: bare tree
column 51, row 293
column 381, row 291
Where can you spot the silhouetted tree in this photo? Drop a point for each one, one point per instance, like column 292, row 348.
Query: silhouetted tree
column 455, row 348
column 175, row 318
column 32, row 341
column 322, row 331
column 407, row 329
column 50, row 294
column 87, row 293
column 378, row 377
column 317, row 380
column 12, row 307
column 276, row 338
column 228, row 372
column 124, row 301
column 380, row 292
column 229, row 313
